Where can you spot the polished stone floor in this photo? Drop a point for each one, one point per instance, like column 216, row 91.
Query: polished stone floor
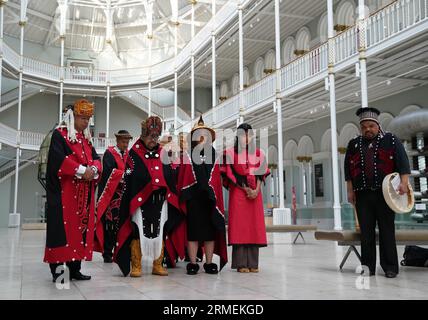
column 301, row 271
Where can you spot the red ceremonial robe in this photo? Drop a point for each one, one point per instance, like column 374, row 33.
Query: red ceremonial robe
column 215, row 194
column 70, row 201
column 246, row 216
column 146, row 171
column 107, row 190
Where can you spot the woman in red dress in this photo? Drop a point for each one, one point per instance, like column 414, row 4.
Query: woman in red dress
column 244, row 169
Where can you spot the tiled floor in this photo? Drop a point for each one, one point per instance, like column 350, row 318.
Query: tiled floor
column 301, row 271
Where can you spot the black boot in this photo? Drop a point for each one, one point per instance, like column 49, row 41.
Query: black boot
column 210, row 268
column 107, row 258
column 75, row 273
column 192, row 268
column 79, row 276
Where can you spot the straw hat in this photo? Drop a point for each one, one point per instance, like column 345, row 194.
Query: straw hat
column 201, row 125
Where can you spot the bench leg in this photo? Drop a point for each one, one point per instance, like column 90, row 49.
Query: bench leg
column 356, row 253
column 350, row 249
column 301, row 235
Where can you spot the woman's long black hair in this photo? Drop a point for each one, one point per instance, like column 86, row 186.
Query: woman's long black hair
column 251, row 147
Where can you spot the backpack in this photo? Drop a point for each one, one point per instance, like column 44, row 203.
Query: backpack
column 415, row 256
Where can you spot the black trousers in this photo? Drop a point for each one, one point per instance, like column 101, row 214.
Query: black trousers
column 110, row 237
column 73, row 266
column 371, row 209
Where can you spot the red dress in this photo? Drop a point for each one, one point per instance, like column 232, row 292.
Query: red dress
column 246, row 216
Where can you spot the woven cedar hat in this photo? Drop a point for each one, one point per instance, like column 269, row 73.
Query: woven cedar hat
column 201, row 125
column 123, row 134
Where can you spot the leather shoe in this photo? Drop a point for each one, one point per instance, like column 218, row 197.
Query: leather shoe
column 192, row 269
column 108, row 259
column 210, row 268
column 79, row 276
column 390, row 274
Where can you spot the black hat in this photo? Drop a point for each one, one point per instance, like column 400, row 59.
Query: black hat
column 371, row 114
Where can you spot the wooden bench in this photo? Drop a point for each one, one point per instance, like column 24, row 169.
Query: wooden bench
column 292, row 228
column 352, row 238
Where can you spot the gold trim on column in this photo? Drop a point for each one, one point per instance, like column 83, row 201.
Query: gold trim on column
column 22, row 23
column 300, row 52
column 341, row 150
column 340, row 27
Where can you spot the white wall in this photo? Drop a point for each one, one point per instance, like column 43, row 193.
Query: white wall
column 203, row 100
column 5, row 188
column 28, row 187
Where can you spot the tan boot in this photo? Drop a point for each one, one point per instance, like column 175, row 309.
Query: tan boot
column 158, row 268
column 136, row 258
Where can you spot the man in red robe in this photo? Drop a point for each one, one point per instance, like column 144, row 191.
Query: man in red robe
column 150, row 209
column 73, row 170
column 110, row 192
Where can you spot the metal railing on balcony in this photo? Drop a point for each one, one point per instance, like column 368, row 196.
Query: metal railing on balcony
column 40, row 68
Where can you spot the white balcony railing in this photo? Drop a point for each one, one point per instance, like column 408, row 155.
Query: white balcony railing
column 7, row 135
column 40, row 68
column 30, row 140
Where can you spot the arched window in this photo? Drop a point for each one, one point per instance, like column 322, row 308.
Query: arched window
column 235, row 84
column 224, row 91
column 326, row 141
column 269, row 62
column 345, row 15
column 290, row 150
column 303, row 41
column 305, row 148
column 323, row 28
column 288, row 49
column 385, row 119
column 246, row 77
column 348, row 132
column 259, row 67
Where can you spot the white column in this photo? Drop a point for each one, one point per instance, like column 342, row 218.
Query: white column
column 279, row 105
column 150, row 37
column 61, row 81
column 333, row 124
column 192, row 61
column 63, row 6
column 1, row 42
column 304, row 190
column 150, row 98
column 148, row 5
column 175, row 77
column 213, row 62
column 309, row 181
column 108, row 113
column 241, row 65
column 14, row 218
column 362, row 49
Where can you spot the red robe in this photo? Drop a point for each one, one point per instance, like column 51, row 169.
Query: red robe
column 216, row 198
column 70, row 201
column 142, row 176
column 107, row 192
column 246, row 216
